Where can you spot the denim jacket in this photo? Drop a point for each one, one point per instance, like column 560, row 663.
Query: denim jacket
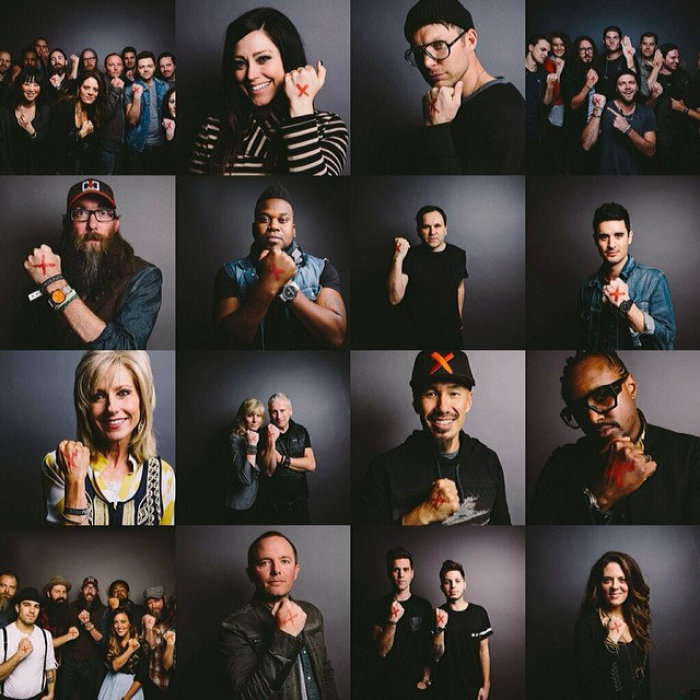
column 136, row 135
column 604, row 329
column 308, row 276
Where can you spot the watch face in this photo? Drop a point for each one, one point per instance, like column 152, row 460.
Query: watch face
column 58, row 296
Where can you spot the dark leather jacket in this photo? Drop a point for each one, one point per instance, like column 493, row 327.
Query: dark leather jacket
column 260, row 659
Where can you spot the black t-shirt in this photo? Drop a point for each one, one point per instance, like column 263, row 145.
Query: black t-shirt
column 608, row 71
column 402, row 668
column 458, row 676
column 282, row 330
column 619, row 155
column 431, row 295
column 535, row 85
column 286, row 485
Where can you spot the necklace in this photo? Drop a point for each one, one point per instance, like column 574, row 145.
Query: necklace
column 476, row 84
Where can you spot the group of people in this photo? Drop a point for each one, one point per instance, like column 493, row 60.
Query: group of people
column 85, row 650
column 267, row 477
column 623, row 111
column 421, row 651
column 67, row 115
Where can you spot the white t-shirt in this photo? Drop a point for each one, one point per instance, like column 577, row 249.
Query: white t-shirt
column 27, row 680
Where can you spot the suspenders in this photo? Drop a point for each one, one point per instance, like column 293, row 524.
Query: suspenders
column 4, row 657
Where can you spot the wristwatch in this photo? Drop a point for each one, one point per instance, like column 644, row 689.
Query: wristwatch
column 625, row 306
column 289, row 291
column 60, row 298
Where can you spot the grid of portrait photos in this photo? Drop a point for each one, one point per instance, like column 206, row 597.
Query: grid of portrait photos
column 368, row 370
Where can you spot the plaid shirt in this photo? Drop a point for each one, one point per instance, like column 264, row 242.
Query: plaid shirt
column 156, row 671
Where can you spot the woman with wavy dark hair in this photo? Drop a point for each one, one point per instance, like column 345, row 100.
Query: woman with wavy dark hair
column 269, row 123
column 612, row 638
column 23, row 126
column 75, row 124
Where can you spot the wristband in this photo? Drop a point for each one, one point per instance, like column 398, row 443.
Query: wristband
column 70, row 296
column 48, row 281
column 686, row 110
column 286, row 461
column 251, row 449
column 75, row 511
column 627, row 130
column 391, row 622
column 438, row 630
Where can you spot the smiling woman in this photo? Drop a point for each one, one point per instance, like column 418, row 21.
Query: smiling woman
column 269, row 123
column 111, row 474
column 612, row 637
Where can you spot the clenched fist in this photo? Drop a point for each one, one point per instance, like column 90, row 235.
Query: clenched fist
column 289, row 616
column 441, row 104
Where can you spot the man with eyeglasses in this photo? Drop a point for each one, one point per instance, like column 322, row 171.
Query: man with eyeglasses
column 473, row 120
column 96, row 294
column 624, row 305
column 625, row 471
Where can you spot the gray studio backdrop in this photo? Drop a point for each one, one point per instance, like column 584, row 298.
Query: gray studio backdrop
column 142, row 558
column 383, row 417
column 211, row 387
column 214, row 226
column 674, row 22
column 36, row 405
column 485, row 216
column 559, row 561
column 667, row 395
column 104, row 26
column 32, row 210
column 664, row 215
column 212, row 584
column 387, row 91
column 201, row 29
column 494, row 567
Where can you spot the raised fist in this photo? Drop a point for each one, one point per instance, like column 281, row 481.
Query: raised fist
column 657, row 90
column 113, row 603
column 275, row 268
column 87, row 128
column 301, row 85
column 396, row 611
column 169, row 637
column 134, row 644
column 73, row 460
column 599, row 101
column 84, row 616
column 289, row 616
column 42, row 263
column 148, row 621
column 24, row 648
column 73, row 633
column 591, row 78
column 117, row 83
column 136, row 91
column 443, row 500
column 273, row 432
column 441, row 104
column 401, row 246
column 252, row 437
column 441, row 617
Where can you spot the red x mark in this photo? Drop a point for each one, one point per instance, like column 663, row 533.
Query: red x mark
column 618, row 469
column 615, row 626
column 395, row 608
column 437, row 501
column 441, row 361
column 43, row 264
column 277, row 272
column 302, row 89
column 291, row 618
column 617, row 293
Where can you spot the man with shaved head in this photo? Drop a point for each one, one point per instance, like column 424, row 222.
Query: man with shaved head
column 285, row 458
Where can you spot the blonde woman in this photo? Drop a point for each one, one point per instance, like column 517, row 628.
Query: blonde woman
column 112, row 474
column 243, row 485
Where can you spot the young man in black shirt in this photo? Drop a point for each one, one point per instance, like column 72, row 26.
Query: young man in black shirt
column 429, row 280
column 460, row 641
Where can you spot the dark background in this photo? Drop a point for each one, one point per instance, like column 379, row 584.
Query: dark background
column 561, row 255
column 212, row 584
column 142, row 556
column 485, row 216
column 387, row 91
column 103, row 25
column 211, row 387
column 559, row 561
column 201, row 28
column 666, row 395
column 674, row 22
column 494, row 565
column 214, row 226
column 383, row 415
column 36, row 405
column 32, row 210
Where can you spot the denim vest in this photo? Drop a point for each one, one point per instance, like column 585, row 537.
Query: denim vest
column 603, row 329
column 137, row 135
column 308, row 277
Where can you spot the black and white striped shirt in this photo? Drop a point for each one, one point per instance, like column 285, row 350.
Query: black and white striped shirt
column 315, row 144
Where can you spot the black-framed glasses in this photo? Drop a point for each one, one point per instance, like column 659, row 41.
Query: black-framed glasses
column 83, row 215
column 585, row 49
column 601, row 400
column 437, row 50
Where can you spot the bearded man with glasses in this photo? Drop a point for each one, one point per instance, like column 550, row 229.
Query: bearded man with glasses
column 474, row 122
column 96, row 294
column 625, row 471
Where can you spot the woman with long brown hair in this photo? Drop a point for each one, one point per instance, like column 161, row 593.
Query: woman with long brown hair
column 612, row 638
column 127, row 661
column 75, row 125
